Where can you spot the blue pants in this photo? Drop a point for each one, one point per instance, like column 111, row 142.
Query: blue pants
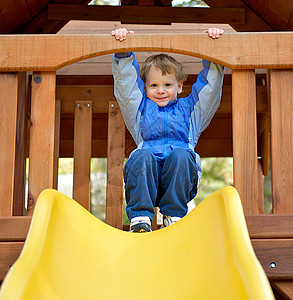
column 170, row 184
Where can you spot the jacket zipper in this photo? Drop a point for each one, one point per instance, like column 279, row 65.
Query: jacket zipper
column 165, row 132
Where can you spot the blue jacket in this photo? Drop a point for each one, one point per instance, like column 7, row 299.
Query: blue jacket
column 177, row 125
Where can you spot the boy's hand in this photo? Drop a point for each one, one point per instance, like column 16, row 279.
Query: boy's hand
column 214, row 33
column 121, row 33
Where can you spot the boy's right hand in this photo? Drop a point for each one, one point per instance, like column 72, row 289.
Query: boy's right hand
column 121, row 33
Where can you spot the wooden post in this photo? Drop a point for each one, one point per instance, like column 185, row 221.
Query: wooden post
column 8, row 112
column 82, row 152
column 245, row 138
column 281, row 87
column 42, row 133
column 20, row 147
column 116, row 150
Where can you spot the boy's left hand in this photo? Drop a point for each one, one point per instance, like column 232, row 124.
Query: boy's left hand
column 214, row 33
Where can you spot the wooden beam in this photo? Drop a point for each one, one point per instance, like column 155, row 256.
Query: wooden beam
column 272, row 50
column 281, row 87
column 276, row 257
column 267, row 226
column 42, row 134
column 245, row 138
column 145, row 14
column 82, row 152
column 115, row 162
column 8, row 113
column 14, row 228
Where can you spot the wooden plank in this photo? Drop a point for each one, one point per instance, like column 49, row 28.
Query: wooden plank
column 281, row 87
column 276, row 257
column 9, row 252
column 266, row 226
column 115, row 162
column 14, row 228
column 42, row 133
column 245, row 138
column 146, row 14
column 20, row 147
column 56, row 143
column 82, row 153
column 8, row 113
column 272, row 50
column 284, row 287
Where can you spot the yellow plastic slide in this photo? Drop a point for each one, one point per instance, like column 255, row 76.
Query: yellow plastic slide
column 69, row 254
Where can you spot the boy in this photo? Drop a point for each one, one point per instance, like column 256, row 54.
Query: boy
column 164, row 170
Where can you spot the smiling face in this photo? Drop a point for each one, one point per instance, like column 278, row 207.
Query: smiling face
column 162, row 88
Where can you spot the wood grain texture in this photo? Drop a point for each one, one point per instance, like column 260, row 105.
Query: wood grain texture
column 244, row 139
column 82, row 152
column 146, row 14
column 42, row 134
column 14, row 228
column 281, row 87
column 115, row 162
column 267, row 226
column 285, row 288
column 277, row 251
column 236, row 51
column 8, row 113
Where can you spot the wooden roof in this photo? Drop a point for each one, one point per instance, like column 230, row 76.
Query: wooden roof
column 43, row 16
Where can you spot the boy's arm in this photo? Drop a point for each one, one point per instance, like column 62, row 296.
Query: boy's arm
column 206, row 94
column 128, row 89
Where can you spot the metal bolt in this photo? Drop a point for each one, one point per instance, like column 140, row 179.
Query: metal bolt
column 273, row 265
column 112, row 105
column 37, row 79
column 31, row 201
column 88, row 105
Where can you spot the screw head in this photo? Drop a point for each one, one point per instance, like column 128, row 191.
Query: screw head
column 37, row 79
column 273, row 265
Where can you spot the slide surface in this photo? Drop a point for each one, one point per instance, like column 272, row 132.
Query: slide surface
column 70, row 254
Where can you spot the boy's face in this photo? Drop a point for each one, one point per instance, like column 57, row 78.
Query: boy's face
column 162, row 88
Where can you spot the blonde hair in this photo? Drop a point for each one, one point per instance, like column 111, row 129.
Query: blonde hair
column 166, row 63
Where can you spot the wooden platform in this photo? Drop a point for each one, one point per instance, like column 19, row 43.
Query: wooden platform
column 45, row 117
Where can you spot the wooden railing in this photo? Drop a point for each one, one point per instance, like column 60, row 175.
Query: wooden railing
column 254, row 140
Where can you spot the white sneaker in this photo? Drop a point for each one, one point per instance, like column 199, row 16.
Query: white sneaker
column 168, row 220
column 140, row 224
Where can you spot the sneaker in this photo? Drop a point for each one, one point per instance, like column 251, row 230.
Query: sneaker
column 140, row 224
column 168, row 220
column 140, row 227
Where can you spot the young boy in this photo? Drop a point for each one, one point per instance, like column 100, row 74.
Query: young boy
column 164, row 170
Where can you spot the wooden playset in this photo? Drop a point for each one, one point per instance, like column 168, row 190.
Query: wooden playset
column 253, row 124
